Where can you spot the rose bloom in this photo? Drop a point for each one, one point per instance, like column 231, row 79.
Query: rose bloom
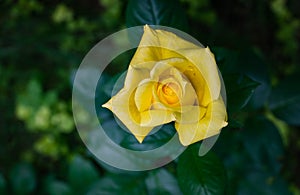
column 171, row 79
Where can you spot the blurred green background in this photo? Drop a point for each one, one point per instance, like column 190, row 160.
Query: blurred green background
column 43, row 42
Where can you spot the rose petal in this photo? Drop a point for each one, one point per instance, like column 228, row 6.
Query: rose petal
column 152, row 118
column 205, row 62
column 150, row 47
column 158, row 105
column 186, row 132
column 179, row 77
column 123, row 106
column 143, row 95
column 190, row 114
column 165, row 40
column 134, row 77
column 189, row 96
column 210, row 125
column 164, row 65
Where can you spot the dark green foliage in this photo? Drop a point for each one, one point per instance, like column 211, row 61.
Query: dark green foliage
column 156, row 12
column 254, row 153
column 239, row 92
column 285, row 100
column 81, row 174
column 23, row 179
column 201, row 175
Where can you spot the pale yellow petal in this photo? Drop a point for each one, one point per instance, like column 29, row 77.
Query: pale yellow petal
column 152, row 118
column 165, row 39
column 134, row 77
column 148, row 65
column 123, row 106
column 158, row 105
column 186, row 132
column 189, row 95
column 143, row 95
column 179, row 77
column 198, row 83
column 209, row 125
column 204, row 61
column 149, row 48
column 190, row 114
column 164, row 67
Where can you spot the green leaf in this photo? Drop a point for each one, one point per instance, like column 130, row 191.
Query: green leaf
column 247, row 62
column 285, row 100
column 253, row 64
column 235, row 122
column 156, row 12
column 82, row 173
column 55, row 187
column 23, row 179
column 200, row 175
column 119, row 184
column 255, row 148
column 239, row 89
column 263, row 144
column 227, row 60
column 160, row 181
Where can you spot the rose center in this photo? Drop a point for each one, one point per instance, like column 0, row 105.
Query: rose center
column 170, row 89
column 169, row 93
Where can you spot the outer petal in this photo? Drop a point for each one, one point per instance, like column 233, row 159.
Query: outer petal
column 205, row 62
column 186, row 132
column 150, row 47
column 123, row 106
column 210, row 125
column 152, row 118
column 190, row 114
column 164, row 40
column 134, row 77
column 123, row 103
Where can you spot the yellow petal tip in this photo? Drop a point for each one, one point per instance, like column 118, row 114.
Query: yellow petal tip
column 140, row 138
column 185, row 144
column 107, row 105
column 146, row 27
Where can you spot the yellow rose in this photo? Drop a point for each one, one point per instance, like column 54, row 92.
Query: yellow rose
column 171, row 79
